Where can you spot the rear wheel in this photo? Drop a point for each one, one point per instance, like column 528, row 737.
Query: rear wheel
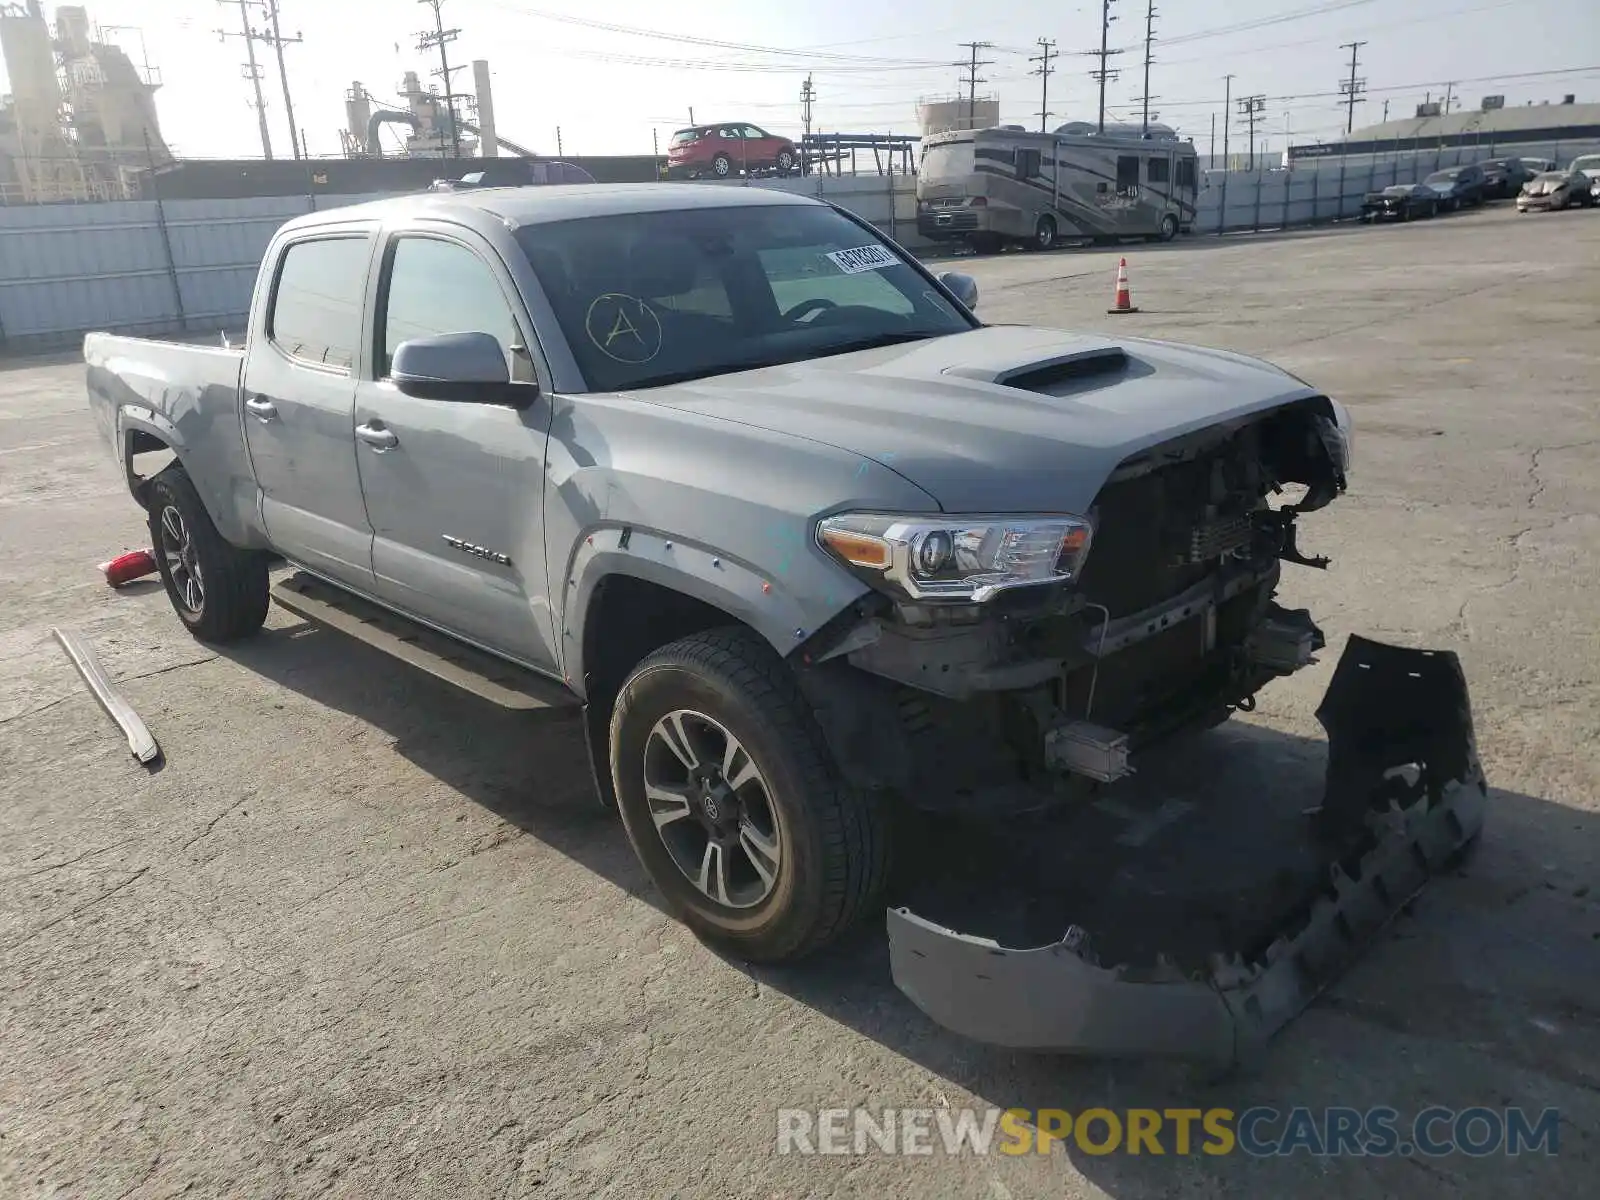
column 722, row 166
column 1044, row 233
column 217, row 590
column 1169, row 228
column 733, row 803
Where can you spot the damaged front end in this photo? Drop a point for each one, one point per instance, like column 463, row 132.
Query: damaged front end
column 1003, row 670
column 1405, row 796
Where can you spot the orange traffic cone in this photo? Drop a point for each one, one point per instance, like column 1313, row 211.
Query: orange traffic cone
column 127, row 567
column 1124, row 301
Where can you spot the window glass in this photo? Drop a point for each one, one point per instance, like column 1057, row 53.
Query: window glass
column 1186, row 173
column 316, row 309
column 1027, row 164
column 1157, row 170
column 652, row 297
column 948, row 163
column 1127, row 175
column 441, row 287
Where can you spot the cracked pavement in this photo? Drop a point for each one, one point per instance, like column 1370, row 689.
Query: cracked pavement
column 365, row 937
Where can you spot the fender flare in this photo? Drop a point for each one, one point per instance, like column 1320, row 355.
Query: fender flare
column 137, row 418
column 735, row 586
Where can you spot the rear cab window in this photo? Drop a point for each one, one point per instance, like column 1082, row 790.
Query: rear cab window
column 315, row 316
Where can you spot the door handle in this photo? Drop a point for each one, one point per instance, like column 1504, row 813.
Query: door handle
column 262, row 409
column 377, row 437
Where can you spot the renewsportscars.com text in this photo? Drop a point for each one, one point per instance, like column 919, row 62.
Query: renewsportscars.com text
column 1326, row 1132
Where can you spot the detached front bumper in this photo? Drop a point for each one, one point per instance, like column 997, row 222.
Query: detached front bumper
column 1405, row 794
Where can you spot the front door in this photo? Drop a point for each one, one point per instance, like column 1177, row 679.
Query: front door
column 299, row 394
column 455, row 490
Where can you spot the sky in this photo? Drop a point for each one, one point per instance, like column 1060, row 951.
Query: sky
column 613, row 78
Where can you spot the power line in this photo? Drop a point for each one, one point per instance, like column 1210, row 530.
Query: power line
column 441, row 37
column 277, row 41
column 1104, row 53
column 1352, row 87
column 689, row 40
column 1044, row 70
column 972, row 81
column 1315, row 10
column 251, row 71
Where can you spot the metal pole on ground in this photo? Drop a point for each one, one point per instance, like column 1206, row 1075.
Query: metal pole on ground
column 166, row 236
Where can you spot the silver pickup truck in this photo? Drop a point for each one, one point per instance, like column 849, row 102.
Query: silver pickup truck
column 810, row 548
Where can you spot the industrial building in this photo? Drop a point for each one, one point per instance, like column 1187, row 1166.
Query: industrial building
column 80, row 122
column 1531, row 129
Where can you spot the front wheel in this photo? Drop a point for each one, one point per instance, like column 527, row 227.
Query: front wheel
column 1169, row 228
column 785, row 162
column 217, row 590
column 722, row 166
column 733, row 804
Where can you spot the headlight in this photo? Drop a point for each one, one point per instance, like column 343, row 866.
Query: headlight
column 969, row 558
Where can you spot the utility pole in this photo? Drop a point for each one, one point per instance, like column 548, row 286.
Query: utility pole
column 277, row 41
column 251, row 70
column 1104, row 54
column 1449, row 90
column 1251, row 107
column 808, row 96
column 1149, row 38
column 560, row 153
column 1227, row 95
column 1385, row 110
column 1352, row 88
column 972, row 81
column 441, row 37
column 1047, row 48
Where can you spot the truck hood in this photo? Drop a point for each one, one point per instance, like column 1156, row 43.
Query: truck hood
column 1001, row 419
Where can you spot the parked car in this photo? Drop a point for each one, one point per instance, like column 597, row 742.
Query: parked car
column 809, row 551
column 1457, row 187
column 1588, row 164
column 1504, row 177
column 723, row 151
column 1400, row 202
column 1555, row 190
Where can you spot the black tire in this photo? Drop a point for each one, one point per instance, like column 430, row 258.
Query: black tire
column 722, row 166
column 233, row 583
column 833, row 841
column 1169, row 228
column 785, row 163
column 1044, row 233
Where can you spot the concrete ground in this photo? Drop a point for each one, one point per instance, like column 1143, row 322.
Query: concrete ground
column 366, row 937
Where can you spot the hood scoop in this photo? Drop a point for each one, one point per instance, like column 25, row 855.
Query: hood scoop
column 1048, row 374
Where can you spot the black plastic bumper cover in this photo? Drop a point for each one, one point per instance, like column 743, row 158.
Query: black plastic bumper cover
column 1403, row 773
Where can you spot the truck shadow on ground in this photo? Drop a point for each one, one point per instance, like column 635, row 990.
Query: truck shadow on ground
column 1491, row 975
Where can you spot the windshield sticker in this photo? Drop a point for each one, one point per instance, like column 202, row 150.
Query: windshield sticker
column 863, row 258
column 623, row 327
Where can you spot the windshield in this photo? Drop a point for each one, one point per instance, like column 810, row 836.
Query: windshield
column 1399, row 189
column 659, row 297
column 1442, row 177
column 684, row 136
column 1588, row 162
column 950, row 162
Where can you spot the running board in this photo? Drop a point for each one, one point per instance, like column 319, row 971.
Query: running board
column 485, row 676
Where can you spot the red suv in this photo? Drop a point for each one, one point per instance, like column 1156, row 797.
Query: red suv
column 723, row 151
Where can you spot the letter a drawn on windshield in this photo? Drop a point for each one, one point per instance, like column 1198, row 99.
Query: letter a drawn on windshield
column 623, row 327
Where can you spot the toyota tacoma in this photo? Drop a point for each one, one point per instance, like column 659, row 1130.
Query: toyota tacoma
column 811, row 551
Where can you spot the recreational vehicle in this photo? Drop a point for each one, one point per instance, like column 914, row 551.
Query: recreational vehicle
column 993, row 186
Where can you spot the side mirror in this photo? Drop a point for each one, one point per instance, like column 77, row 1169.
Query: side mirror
column 467, row 368
column 965, row 287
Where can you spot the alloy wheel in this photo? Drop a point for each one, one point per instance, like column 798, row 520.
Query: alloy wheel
column 183, row 565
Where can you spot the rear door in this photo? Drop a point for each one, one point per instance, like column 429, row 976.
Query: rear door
column 454, row 490
column 299, row 395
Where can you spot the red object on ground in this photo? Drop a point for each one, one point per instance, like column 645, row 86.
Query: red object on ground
column 129, row 566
